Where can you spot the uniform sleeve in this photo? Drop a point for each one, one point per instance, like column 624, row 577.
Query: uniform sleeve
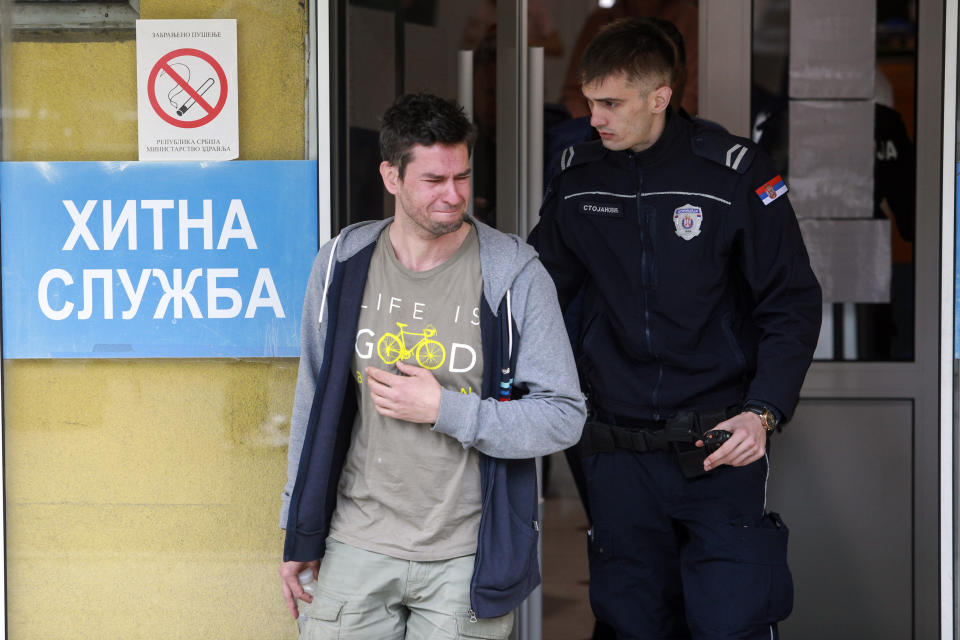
column 312, row 337
column 551, row 240
column 787, row 297
column 549, row 417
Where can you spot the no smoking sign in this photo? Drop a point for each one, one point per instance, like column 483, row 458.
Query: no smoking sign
column 191, row 86
column 187, row 89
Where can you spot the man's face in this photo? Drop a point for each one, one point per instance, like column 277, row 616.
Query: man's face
column 433, row 193
column 626, row 114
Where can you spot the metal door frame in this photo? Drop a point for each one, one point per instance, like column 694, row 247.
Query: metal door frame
column 724, row 93
column 949, row 593
column 511, row 113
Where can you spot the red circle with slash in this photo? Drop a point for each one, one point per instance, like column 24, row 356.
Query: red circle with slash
column 212, row 111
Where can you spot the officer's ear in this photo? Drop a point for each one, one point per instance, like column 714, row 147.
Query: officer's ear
column 660, row 99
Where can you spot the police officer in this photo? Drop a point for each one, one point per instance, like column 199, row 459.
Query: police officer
column 700, row 312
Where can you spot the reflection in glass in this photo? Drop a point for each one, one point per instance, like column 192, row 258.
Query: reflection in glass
column 852, row 182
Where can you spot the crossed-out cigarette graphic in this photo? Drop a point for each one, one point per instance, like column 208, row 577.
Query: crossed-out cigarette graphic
column 174, row 94
column 190, row 101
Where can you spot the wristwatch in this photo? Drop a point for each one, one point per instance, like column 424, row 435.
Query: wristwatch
column 767, row 417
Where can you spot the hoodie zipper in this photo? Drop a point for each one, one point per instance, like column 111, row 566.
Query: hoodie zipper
column 502, row 389
column 485, row 489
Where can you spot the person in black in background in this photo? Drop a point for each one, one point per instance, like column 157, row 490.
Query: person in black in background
column 884, row 331
column 894, row 197
column 700, row 312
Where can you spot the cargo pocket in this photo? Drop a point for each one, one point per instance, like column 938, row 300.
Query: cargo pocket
column 320, row 619
column 600, row 544
column 761, row 554
column 470, row 626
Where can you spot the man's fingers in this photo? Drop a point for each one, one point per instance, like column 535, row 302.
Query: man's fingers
column 745, row 455
column 385, row 377
column 409, row 369
column 735, row 452
column 738, row 454
column 291, row 587
column 377, row 388
column 720, row 456
column 292, row 590
column 746, row 451
column 725, row 453
column 381, row 392
column 388, row 412
column 291, row 601
column 384, row 400
column 383, row 405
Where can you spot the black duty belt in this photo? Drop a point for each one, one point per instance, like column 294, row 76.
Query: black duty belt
column 606, row 432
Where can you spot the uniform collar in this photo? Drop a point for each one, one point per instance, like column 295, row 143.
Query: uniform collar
column 653, row 154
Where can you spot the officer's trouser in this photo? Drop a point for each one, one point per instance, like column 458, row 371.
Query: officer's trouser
column 677, row 558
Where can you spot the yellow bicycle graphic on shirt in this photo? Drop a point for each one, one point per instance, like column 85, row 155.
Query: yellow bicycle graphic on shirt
column 430, row 354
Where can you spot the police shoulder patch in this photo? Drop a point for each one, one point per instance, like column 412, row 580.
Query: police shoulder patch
column 581, row 153
column 722, row 147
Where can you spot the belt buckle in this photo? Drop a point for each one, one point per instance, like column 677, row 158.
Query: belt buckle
column 640, row 441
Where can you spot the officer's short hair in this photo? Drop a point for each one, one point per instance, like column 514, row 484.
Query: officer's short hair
column 670, row 30
column 425, row 119
column 635, row 46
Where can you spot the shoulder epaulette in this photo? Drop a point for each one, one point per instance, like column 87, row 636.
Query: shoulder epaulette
column 581, row 153
column 717, row 144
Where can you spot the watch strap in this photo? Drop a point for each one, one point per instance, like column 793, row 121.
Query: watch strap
column 767, row 416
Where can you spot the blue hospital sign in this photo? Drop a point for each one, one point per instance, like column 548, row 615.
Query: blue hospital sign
column 147, row 260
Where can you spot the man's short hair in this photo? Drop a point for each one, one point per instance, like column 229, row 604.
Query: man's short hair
column 425, row 119
column 673, row 33
column 636, row 47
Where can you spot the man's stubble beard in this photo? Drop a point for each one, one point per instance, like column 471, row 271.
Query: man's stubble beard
column 432, row 228
column 438, row 229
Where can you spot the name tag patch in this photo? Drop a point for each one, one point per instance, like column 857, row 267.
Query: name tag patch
column 599, row 209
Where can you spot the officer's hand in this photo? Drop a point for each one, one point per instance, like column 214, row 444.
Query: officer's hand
column 414, row 396
column 747, row 444
column 292, row 589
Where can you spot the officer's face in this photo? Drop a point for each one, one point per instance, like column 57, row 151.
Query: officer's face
column 433, row 192
column 627, row 114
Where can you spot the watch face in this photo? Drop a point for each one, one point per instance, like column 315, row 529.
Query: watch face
column 769, row 421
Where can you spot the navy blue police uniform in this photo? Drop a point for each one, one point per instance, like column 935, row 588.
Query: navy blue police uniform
column 698, row 300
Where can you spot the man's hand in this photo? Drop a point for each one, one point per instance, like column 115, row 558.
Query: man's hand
column 291, row 585
column 414, row 396
column 747, row 444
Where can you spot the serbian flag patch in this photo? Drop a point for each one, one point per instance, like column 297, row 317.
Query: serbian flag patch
column 772, row 190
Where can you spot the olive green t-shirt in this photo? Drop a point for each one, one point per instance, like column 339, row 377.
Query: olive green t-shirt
column 407, row 491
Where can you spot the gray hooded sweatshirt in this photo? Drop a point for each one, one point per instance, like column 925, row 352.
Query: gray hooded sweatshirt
column 547, row 414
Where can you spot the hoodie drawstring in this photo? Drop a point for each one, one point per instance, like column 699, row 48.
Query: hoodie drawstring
column 326, row 281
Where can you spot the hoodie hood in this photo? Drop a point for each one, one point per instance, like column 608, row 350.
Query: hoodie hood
column 502, row 256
